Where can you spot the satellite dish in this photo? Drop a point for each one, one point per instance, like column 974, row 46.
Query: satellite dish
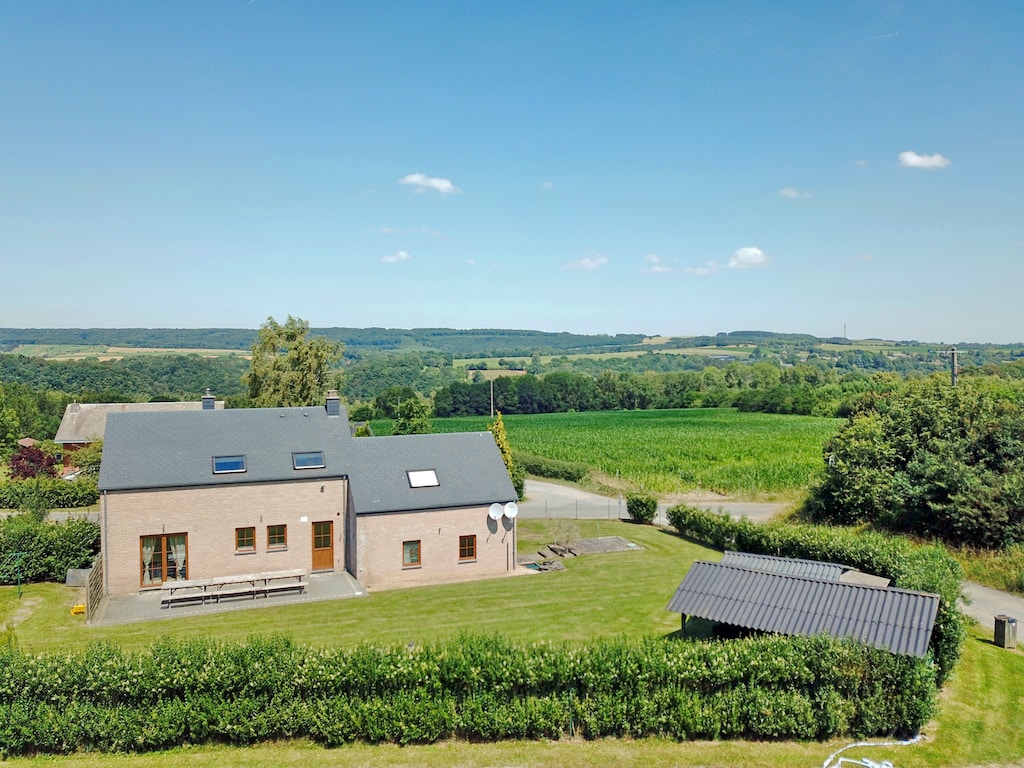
column 495, row 511
column 511, row 510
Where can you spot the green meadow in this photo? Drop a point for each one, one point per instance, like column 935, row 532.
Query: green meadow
column 746, row 455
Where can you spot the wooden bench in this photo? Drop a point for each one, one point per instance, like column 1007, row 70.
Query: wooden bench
column 243, row 585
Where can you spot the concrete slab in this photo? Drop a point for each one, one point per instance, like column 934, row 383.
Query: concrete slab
column 145, row 606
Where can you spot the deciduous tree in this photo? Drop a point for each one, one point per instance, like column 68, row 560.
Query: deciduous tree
column 290, row 368
column 413, row 418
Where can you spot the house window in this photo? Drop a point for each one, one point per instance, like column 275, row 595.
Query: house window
column 411, row 554
column 467, row 548
column 245, row 539
column 163, row 558
column 308, row 460
column 225, row 464
column 422, row 478
column 277, row 536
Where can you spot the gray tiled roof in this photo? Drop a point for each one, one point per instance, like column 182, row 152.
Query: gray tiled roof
column 468, row 466
column 86, row 422
column 896, row 620
column 169, row 449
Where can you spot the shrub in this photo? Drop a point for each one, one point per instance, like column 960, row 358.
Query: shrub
column 48, row 493
column 50, row 549
column 540, row 466
column 642, row 507
column 478, row 688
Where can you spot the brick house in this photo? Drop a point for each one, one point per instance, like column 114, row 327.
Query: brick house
column 214, row 493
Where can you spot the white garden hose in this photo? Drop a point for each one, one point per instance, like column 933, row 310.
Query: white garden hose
column 867, row 763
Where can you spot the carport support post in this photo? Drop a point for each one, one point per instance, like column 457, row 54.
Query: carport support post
column 682, row 627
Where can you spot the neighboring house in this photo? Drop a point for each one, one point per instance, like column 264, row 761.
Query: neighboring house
column 85, row 423
column 211, row 493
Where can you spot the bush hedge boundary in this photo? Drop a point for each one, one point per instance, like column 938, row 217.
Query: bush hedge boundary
column 473, row 688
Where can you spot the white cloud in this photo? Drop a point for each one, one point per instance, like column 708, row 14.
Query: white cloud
column 396, row 257
column 589, row 262
column 704, row 269
column 792, row 193
column 913, row 160
column 747, row 258
column 423, row 182
column 863, row 257
column 545, row 185
column 657, row 264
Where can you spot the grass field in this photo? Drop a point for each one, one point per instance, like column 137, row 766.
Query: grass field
column 747, row 455
column 621, row 594
column 103, row 352
column 634, row 590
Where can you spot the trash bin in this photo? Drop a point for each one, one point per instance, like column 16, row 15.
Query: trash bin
column 1006, row 632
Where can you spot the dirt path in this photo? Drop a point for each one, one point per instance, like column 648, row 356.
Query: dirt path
column 25, row 608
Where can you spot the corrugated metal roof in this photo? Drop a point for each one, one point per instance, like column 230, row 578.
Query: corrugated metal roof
column 895, row 620
column 789, row 566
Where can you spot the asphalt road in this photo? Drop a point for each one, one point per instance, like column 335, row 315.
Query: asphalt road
column 554, row 500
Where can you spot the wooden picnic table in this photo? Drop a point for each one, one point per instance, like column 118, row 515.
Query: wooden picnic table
column 241, row 585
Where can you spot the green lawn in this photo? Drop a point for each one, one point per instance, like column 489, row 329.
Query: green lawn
column 621, row 594
column 598, row 595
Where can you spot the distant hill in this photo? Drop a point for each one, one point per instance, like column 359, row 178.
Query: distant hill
column 357, row 341
column 458, row 343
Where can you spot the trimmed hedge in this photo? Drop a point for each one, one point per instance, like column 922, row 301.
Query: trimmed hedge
column 50, row 548
column 540, row 466
column 475, row 688
column 906, row 565
column 49, row 493
column 642, row 507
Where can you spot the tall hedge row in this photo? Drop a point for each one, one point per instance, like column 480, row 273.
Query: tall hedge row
column 906, row 565
column 476, row 688
column 49, row 548
column 541, row 466
column 48, row 493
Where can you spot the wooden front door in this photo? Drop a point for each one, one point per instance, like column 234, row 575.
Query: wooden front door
column 323, row 546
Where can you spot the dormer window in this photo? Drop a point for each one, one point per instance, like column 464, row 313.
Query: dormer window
column 225, row 464
column 422, row 478
column 308, row 460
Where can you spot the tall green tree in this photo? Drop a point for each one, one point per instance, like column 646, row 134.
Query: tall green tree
column 517, row 475
column 932, row 460
column 290, row 368
column 413, row 418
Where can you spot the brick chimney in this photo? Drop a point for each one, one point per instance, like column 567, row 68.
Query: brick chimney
column 333, row 403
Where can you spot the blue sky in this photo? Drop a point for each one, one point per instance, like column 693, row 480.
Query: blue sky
column 663, row 168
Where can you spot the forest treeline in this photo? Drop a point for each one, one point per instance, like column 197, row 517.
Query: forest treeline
column 451, row 341
column 783, row 373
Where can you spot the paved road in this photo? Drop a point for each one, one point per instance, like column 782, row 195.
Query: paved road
column 554, row 500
